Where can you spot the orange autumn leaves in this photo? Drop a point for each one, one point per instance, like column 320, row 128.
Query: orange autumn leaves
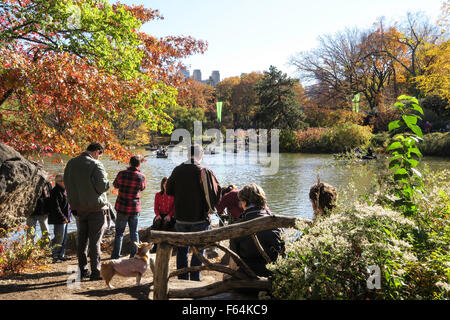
column 61, row 100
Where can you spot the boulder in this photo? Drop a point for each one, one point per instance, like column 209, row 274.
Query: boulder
column 21, row 183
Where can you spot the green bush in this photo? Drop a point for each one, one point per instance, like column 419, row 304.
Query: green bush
column 429, row 277
column 326, row 140
column 435, row 144
column 380, row 140
column 18, row 252
column 331, row 258
column 347, row 136
column 287, row 140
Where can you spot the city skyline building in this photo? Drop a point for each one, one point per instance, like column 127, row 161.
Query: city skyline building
column 213, row 79
column 197, row 75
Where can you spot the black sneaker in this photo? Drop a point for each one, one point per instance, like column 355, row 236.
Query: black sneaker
column 56, row 260
column 85, row 274
column 95, row 277
column 64, row 258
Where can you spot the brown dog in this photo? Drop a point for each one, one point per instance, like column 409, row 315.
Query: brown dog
column 133, row 267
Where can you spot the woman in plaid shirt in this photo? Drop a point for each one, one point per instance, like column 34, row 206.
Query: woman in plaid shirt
column 128, row 204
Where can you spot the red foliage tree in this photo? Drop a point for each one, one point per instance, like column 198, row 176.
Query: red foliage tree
column 54, row 100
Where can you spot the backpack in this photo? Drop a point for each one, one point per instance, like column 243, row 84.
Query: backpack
column 211, row 189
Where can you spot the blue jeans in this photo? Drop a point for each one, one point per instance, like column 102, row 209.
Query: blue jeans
column 59, row 240
column 183, row 252
column 121, row 223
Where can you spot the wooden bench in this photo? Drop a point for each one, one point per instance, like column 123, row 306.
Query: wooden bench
column 244, row 278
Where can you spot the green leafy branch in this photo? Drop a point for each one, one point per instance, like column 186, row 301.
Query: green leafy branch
column 405, row 155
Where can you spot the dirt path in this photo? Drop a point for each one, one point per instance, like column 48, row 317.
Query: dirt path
column 59, row 283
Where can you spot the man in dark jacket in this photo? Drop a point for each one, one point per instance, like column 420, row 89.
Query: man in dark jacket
column 86, row 183
column 59, row 216
column 191, row 208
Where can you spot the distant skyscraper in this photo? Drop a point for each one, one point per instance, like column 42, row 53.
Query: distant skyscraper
column 215, row 76
column 197, row 75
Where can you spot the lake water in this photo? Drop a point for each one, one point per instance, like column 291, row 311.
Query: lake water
column 287, row 190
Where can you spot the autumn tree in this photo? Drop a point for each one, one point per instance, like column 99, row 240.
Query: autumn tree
column 224, row 92
column 379, row 63
column 332, row 68
column 436, row 76
column 183, row 118
column 65, row 77
column 415, row 33
column 197, row 95
column 244, row 100
column 58, row 64
column 435, row 79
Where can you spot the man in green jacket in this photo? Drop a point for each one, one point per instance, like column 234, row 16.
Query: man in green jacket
column 86, row 184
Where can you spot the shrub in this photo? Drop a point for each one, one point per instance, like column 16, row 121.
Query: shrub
column 347, row 136
column 20, row 255
column 381, row 120
column 326, row 117
column 288, row 141
column 380, row 140
column 435, row 144
column 326, row 140
column 331, row 259
column 311, row 140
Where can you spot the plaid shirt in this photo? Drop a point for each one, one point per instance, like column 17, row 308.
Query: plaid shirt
column 129, row 182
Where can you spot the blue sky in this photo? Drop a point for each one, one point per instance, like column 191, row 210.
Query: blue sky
column 251, row 35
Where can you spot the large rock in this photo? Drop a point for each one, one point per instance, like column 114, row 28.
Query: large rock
column 21, row 183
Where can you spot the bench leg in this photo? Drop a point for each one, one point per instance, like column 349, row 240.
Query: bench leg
column 161, row 276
